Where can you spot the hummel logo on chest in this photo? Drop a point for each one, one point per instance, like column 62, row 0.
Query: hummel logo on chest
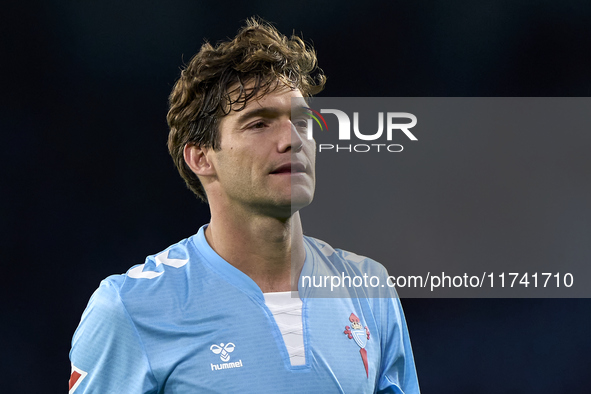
column 224, row 351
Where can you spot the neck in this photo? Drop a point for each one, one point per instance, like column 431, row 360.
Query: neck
column 269, row 250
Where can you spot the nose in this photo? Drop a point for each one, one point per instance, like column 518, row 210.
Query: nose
column 292, row 140
column 296, row 139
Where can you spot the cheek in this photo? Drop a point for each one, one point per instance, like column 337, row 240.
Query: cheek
column 310, row 149
column 238, row 164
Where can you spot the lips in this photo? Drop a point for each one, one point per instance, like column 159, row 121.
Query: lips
column 289, row 168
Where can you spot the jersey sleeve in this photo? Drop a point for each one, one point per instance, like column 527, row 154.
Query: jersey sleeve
column 107, row 354
column 398, row 373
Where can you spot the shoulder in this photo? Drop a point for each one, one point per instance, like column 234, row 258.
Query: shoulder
column 330, row 272
column 151, row 288
column 343, row 259
column 159, row 272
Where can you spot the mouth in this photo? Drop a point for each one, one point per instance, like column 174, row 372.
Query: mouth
column 290, row 168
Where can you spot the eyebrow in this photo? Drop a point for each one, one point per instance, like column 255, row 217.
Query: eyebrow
column 266, row 112
column 253, row 113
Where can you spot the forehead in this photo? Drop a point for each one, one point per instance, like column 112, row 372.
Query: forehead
column 280, row 99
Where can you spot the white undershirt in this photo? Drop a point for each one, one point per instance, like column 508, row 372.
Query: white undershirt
column 287, row 312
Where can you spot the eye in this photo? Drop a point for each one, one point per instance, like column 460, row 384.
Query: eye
column 257, row 125
column 300, row 124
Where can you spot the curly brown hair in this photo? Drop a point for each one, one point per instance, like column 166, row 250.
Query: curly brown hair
column 213, row 84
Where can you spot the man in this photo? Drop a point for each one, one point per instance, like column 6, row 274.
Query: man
column 213, row 313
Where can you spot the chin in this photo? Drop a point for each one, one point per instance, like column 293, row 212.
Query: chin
column 299, row 202
column 284, row 205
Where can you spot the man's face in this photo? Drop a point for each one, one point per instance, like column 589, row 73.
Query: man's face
column 266, row 163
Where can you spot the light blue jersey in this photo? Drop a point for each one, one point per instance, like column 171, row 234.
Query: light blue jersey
column 187, row 321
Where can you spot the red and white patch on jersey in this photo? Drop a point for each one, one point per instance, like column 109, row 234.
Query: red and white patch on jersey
column 361, row 335
column 76, row 377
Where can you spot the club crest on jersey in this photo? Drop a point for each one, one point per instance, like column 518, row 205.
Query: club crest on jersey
column 361, row 335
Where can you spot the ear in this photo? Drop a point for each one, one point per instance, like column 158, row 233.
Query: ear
column 198, row 160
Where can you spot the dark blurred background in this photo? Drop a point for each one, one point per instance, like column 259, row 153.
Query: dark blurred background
column 89, row 189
